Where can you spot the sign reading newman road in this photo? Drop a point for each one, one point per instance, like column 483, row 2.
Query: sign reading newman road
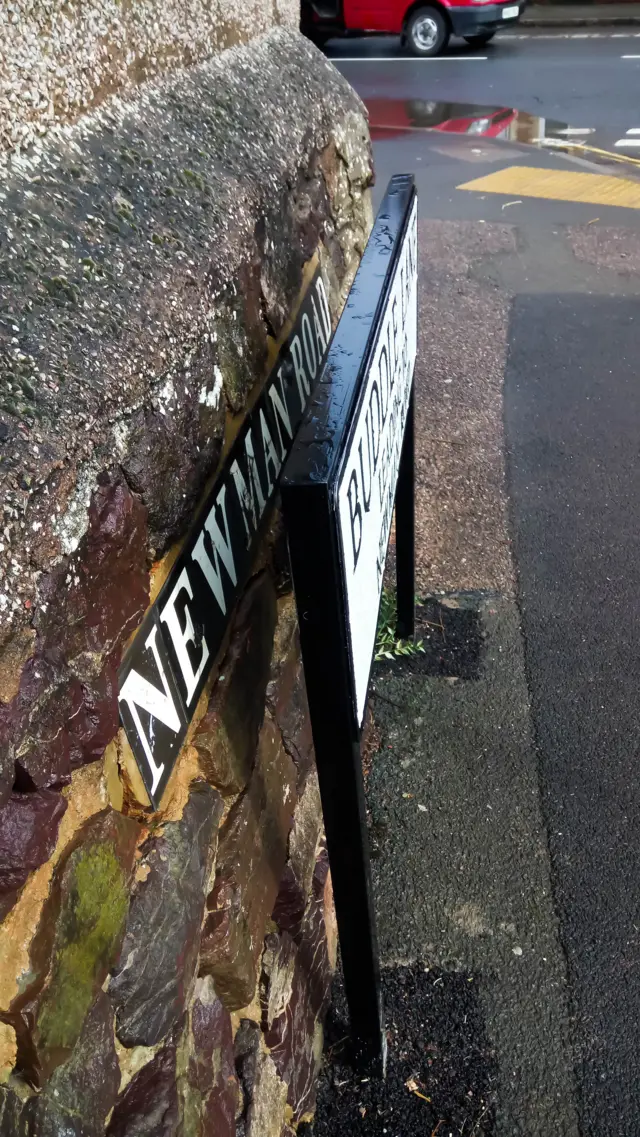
column 352, row 461
column 166, row 667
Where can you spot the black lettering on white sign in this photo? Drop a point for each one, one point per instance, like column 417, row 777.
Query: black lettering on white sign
column 367, row 481
column 351, row 464
column 164, row 671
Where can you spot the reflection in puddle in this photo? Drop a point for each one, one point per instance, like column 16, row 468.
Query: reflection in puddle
column 394, row 116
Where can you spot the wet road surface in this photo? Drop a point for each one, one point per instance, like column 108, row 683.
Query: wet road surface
column 581, row 78
column 524, row 867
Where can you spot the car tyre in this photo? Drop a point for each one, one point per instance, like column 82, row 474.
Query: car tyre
column 481, row 40
column 426, row 32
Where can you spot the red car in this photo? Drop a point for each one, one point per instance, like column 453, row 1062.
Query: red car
column 389, row 117
column 424, row 28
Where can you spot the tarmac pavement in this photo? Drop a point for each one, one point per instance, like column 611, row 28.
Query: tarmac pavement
column 504, row 808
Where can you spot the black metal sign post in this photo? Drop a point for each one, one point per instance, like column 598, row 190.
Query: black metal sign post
column 352, row 460
column 405, row 532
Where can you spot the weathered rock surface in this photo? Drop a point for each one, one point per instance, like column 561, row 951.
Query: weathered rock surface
column 295, row 884
column 149, row 259
column 56, row 63
column 10, row 1110
column 247, row 1049
column 78, row 941
column 227, row 736
column 287, row 700
column 295, row 996
column 66, row 709
column 149, row 1105
column 28, row 830
column 150, row 984
column 81, row 1093
column 8, row 1051
column 265, row 1117
column 211, row 1100
column 251, row 858
column 142, row 279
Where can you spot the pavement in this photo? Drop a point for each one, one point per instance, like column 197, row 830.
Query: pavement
column 579, row 15
column 504, row 803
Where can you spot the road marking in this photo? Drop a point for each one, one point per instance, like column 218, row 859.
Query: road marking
column 630, row 56
column 568, row 35
column 627, row 142
column 575, row 130
column 634, row 130
column 559, row 185
column 408, row 59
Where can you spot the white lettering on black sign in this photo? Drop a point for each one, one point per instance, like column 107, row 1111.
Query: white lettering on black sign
column 163, row 673
column 367, row 483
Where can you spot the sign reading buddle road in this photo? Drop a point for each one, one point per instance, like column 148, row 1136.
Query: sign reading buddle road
column 367, row 484
column 350, row 466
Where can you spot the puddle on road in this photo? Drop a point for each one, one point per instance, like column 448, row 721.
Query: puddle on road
column 389, row 117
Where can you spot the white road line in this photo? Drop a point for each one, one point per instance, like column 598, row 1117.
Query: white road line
column 568, row 35
column 634, row 130
column 627, row 142
column 408, row 59
column 630, row 56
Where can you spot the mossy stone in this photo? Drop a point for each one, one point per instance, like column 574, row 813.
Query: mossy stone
column 87, row 912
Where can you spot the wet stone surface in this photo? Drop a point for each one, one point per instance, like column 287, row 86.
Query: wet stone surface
column 287, row 699
column 80, row 1093
column 441, row 1073
column 76, row 944
column 28, row 830
column 246, row 1048
column 295, row 993
column 211, row 1072
column 159, row 952
column 251, row 858
column 227, row 736
column 65, row 711
column 149, row 1105
column 121, row 332
column 296, row 881
column 10, row 1108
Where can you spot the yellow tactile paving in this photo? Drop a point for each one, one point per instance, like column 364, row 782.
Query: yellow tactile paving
column 559, row 185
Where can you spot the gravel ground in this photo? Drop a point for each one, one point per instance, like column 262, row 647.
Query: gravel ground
column 440, row 1070
column 606, row 247
column 461, row 520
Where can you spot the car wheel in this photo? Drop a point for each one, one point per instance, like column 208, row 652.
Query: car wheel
column 479, row 41
column 427, row 32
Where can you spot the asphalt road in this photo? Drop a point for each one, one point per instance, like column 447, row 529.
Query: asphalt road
column 579, row 78
column 524, row 865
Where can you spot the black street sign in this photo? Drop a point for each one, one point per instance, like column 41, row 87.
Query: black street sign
column 167, row 665
column 351, row 462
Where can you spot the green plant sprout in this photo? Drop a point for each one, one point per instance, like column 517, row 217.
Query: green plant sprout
column 387, row 645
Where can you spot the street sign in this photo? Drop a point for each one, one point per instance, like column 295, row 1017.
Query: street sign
column 166, row 667
column 352, row 460
column 366, row 486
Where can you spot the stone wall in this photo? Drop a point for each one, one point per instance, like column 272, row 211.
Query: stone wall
column 163, row 973
column 59, row 60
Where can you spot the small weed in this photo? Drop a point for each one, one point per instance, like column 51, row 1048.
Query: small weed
column 387, row 645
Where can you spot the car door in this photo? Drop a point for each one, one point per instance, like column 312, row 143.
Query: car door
column 374, row 15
